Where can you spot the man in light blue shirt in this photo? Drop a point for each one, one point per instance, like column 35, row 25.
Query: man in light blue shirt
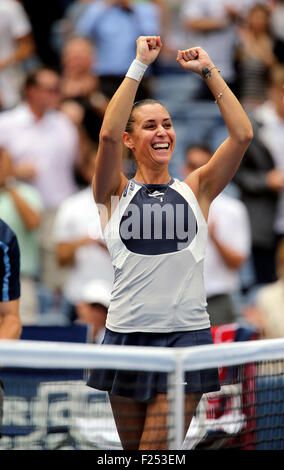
column 113, row 26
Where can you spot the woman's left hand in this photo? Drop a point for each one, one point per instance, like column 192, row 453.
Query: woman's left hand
column 194, row 60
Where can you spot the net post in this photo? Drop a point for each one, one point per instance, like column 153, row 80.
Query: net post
column 176, row 406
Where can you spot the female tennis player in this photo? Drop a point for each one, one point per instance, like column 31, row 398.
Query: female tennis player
column 156, row 234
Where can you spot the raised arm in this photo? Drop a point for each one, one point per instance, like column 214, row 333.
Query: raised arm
column 109, row 179
column 208, row 181
column 10, row 322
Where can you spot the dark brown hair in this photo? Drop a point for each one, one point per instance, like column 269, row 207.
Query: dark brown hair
column 139, row 104
column 31, row 78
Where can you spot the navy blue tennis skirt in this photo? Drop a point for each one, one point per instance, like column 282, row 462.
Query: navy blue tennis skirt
column 143, row 386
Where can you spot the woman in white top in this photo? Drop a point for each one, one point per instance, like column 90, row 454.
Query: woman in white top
column 155, row 229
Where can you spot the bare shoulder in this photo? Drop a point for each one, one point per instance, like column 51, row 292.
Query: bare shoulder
column 192, row 180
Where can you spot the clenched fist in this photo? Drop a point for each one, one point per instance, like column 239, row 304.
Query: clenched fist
column 148, row 48
column 195, row 60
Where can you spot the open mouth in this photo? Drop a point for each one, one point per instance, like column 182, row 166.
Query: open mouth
column 161, row 146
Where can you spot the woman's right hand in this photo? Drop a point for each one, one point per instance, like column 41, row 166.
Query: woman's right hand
column 148, row 48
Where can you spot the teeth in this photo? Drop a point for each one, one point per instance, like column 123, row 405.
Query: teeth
column 161, row 146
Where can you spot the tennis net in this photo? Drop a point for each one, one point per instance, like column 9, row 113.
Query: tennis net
column 47, row 404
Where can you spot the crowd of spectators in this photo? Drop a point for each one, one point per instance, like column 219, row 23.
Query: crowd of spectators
column 60, row 62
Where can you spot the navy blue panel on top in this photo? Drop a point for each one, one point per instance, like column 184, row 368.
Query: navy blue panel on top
column 158, row 220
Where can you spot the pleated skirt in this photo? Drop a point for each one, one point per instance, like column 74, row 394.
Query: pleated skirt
column 144, row 385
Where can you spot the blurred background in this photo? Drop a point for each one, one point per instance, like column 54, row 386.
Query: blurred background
column 60, row 62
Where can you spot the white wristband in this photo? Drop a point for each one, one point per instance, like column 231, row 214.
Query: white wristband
column 136, row 70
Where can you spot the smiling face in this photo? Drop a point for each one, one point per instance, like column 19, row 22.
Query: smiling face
column 152, row 136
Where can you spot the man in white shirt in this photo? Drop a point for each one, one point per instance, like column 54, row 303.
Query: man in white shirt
column 41, row 140
column 44, row 147
column 16, row 45
column 79, row 242
column 227, row 250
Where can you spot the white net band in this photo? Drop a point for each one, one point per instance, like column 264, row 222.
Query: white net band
column 47, row 404
column 73, row 355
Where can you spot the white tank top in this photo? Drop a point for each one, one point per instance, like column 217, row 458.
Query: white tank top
column 157, row 238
